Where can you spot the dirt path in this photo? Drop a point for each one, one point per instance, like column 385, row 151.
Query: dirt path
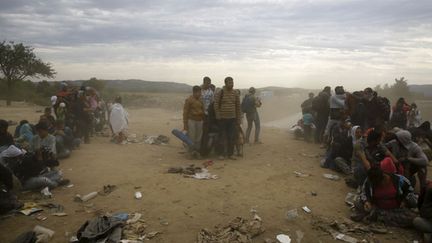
column 263, row 180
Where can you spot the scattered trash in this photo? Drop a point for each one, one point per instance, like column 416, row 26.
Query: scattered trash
column 283, row 238
column 73, row 239
column 134, row 219
column 151, row 235
column 351, row 198
column 70, row 186
column 193, row 171
column 121, row 216
column 314, row 194
column 331, row 177
column 138, row 195
column 310, row 155
column 204, row 175
column 299, row 235
column 208, row 163
column 41, row 217
column 189, row 170
column 46, row 193
column 300, row 174
column 156, row 140
column 292, row 214
column 59, row 214
column 306, row 209
column 238, row 230
column 340, row 230
column 53, row 208
column 85, row 198
column 43, row 234
column 343, row 237
column 107, row 189
column 164, row 222
column 30, row 208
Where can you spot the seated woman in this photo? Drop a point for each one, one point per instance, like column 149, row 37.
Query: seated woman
column 374, row 154
column 359, row 144
column 386, row 198
column 25, row 134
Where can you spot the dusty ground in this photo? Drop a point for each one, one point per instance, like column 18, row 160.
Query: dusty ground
column 263, row 180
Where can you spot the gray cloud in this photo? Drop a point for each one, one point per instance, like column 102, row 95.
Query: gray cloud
column 345, row 35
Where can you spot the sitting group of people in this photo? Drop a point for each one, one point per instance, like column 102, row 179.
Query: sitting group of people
column 212, row 119
column 29, row 158
column 384, row 152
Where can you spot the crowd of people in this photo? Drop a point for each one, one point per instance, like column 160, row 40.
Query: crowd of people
column 383, row 151
column 212, row 119
column 29, row 158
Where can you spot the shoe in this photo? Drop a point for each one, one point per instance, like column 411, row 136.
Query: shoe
column 232, row 158
column 357, row 217
column 221, row 157
column 64, row 182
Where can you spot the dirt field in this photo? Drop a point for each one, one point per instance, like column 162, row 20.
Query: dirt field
column 263, row 180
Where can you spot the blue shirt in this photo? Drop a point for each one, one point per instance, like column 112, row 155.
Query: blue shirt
column 307, row 119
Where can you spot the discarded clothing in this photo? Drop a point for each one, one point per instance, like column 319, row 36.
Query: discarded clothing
column 193, row 172
column 157, row 140
column 27, row 237
column 102, row 227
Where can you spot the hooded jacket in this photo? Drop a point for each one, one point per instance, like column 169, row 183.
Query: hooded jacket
column 415, row 153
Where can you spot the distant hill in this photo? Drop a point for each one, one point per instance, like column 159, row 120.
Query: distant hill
column 425, row 89
column 136, row 85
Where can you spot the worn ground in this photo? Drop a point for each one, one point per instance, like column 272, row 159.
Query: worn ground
column 263, row 180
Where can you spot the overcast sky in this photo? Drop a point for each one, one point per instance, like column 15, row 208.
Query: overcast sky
column 293, row 43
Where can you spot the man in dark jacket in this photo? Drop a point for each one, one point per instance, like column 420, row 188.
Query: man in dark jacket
column 321, row 106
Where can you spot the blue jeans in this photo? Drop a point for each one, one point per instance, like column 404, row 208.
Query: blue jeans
column 49, row 179
column 253, row 118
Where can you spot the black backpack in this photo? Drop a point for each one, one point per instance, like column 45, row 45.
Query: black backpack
column 248, row 104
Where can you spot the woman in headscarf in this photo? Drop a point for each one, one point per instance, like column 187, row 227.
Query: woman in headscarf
column 386, row 198
column 25, row 134
column 359, row 169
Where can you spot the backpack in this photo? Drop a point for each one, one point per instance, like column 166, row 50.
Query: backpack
column 248, row 104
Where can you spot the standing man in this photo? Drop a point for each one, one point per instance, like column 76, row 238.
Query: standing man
column 249, row 106
column 306, row 106
column 321, row 107
column 207, row 96
column 193, row 116
column 337, row 107
column 228, row 114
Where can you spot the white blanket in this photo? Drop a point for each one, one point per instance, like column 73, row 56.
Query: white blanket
column 118, row 118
